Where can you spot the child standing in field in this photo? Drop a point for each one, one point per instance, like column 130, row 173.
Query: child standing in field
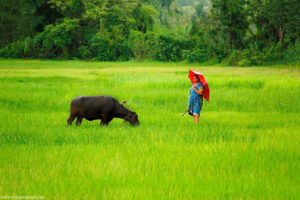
column 196, row 98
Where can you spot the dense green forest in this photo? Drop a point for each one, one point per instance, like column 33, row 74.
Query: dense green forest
column 233, row 32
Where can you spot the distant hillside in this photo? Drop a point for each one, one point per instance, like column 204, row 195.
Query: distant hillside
column 183, row 3
column 187, row 8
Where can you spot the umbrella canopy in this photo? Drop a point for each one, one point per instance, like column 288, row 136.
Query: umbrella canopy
column 202, row 80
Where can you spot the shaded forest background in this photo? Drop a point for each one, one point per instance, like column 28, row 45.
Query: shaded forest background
column 233, row 32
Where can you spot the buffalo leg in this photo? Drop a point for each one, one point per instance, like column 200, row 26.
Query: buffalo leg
column 105, row 122
column 79, row 120
column 102, row 123
column 70, row 120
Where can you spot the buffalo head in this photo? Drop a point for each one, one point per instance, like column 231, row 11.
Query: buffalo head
column 132, row 118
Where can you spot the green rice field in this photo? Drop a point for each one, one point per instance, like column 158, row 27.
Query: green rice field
column 246, row 146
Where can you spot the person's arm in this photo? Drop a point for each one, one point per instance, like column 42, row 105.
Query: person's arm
column 200, row 91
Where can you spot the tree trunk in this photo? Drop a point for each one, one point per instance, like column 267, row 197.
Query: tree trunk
column 231, row 38
column 280, row 34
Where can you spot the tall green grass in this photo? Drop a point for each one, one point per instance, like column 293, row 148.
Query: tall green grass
column 246, row 146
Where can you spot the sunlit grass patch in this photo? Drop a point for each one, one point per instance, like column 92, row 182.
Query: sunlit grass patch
column 245, row 147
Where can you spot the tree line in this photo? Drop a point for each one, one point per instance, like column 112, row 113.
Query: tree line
column 233, row 32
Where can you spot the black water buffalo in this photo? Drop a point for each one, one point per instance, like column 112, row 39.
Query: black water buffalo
column 103, row 107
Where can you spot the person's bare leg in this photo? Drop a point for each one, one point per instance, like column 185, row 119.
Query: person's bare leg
column 196, row 119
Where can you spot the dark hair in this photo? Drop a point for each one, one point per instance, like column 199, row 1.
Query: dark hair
column 197, row 77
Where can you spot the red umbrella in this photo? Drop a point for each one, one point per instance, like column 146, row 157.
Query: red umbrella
column 202, row 80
